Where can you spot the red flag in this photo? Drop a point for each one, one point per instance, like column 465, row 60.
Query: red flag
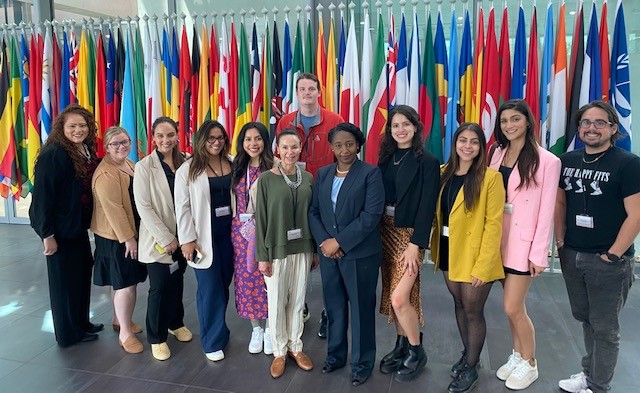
column 100, row 94
column 195, row 76
column 479, row 87
column 55, row 77
column 532, row 89
column 234, row 64
column 214, row 72
column 491, row 78
column 504, row 54
column 185, row 91
column 604, row 52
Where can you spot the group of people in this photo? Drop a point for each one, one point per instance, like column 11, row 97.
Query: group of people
column 265, row 222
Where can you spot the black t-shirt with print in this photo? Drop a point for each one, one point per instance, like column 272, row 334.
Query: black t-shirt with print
column 596, row 185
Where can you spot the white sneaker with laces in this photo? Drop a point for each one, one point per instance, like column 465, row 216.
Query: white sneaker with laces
column 575, row 383
column 268, row 349
column 506, row 369
column 257, row 336
column 215, row 356
column 523, row 376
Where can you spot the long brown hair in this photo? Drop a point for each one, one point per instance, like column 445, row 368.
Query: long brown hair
column 389, row 145
column 176, row 155
column 241, row 162
column 200, row 158
column 528, row 160
column 57, row 137
column 473, row 181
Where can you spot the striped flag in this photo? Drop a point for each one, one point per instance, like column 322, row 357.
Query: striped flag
column 47, row 71
column 234, row 65
column 244, row 112
column 546, row 76
column 442, row 69
column 309, row 52
column 532, row 81
column 140, row 100
column 184, row 129
column 519, row 74
column 402, row 77
column 17, row 106
column 296, row 67
column 466, row 73
column 34, row 105
column 82, row 73
column 154, row 94
column 277, row 81
column 287, row 73
column 266, row 78
column 175, row 78
column 64, row 70
column 504, row 56
column 223, row 91
column 620, row 81
column 165, row 74
column 558, row 100
column 100, row 94
column 321, row 60
column 204, row 95
column 342, row 48
column 9, row 172
column 413, row 91
column 128, row 105
column 350, row 87
column 604, row 52
column 214, row 72
column 331, row 94
column 392, row 57
column 366, row 69
column 255, row 78
column 489, row 109
column 478, row 63
column 575, row 78
column 431, row 116
column 453, row 99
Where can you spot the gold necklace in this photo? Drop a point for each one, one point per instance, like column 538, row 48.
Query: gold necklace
column 396, row 163
column 595, row 159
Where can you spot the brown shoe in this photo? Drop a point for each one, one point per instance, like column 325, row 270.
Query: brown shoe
column 277, row 366
column 131, row 345
column 135, row 328
column 302, row 360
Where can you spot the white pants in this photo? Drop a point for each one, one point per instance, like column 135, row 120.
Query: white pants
column 285, row 295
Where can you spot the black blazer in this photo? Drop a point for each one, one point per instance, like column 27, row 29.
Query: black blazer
column 417, row 187
column 359, row 208
column 55, row 206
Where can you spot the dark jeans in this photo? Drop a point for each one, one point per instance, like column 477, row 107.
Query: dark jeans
column 597, row 292
column 164, row 308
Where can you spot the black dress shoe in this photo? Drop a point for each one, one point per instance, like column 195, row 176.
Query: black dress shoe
column 322, row 332
column 329, row 368
column 412, row 364
column 391, row 361
column 357, row 380
column 465, row 381
column 456, row 368
column 95, row 328
column 89, row 337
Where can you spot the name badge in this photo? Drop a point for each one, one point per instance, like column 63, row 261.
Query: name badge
column 508, row 208
column 302, row 165
column 244, row 217
column 390, row 211
column 173, row 267
column 223, row 211
column 445, row 231
column 584, row 221
column 294, row 234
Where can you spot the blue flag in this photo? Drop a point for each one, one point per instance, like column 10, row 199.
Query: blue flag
column 65, row 91
column 519, row 73
column 128, row 108
column 620, row 83
column 451, row 121
column 545, row 80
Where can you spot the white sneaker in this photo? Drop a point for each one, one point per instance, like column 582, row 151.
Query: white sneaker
column 523, row 376
column 586, row 391
column 268, row 348
column 215, row 356
column 574, row 384
column 506, row 369
column 257, row 336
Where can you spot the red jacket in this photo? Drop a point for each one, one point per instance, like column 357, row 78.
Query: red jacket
column 316, row 151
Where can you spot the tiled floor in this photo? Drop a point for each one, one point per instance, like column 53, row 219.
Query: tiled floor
column 30, row 361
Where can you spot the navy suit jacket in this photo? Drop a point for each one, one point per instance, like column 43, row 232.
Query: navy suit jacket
column 359, row 207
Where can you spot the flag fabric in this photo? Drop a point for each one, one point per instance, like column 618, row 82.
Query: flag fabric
column 23, row 54
column 545, row 77
column 128, row 109
column 442, row 70
column 9, row 172
column 604, row 52
column 121, row 60
column 223, row 72
column 591, row 88
column 175, row 78
column 56, row 68
column 575, row 78
column 111, row 69
column 165, row 74
column 504, row 57
column 64, row 71
column 92, row 68
column 321, row 61
column 342, row 47
column 204, row 94
column 392, row 58
column 466, row 72
column 296, row 68
column 309, row 52
column 185, row 91
column 154, row 94
column 17, row 109
column 244, row 110
column 519, row 74
column 287, row 69
column 532, row 81
column 35, row 104
column 491, row 84
column 431, row 105
column 478, row 64
column 254, row 74
column 214, row 72
column 331, row 80
column 100, row 94
column 47, row 76
column 378, row 110
column 233, row 80
column 266, row 78
column 194, row 89
column 73, row 67
column 558, row 99
column 413, row 67
column 138, row 75
column 620, row 82
column 82, row 73
column 425, row 102
column 350, row 87
column 277, row 81
column 365, row 71
column 451, row 123
column 401, row 76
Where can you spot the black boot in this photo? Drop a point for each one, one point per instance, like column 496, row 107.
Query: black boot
column 322, row 332
column 465, row 381
column 391, row 361
column 455, row 369
column 412, row 364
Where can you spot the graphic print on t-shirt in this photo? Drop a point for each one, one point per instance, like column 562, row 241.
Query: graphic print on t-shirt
column 584, row 180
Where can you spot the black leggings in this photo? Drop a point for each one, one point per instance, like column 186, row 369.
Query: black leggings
column 469, row 302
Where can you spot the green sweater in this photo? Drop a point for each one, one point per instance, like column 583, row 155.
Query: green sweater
column 274, row 217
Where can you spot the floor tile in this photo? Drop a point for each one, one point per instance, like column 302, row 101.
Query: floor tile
column 32, row 378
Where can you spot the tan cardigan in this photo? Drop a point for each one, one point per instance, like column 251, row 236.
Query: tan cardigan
column 112, row 210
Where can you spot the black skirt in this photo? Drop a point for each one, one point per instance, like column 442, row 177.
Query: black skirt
column 112, row 268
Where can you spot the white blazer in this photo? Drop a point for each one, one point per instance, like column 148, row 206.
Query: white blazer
column 155, row 207
column 193, row 213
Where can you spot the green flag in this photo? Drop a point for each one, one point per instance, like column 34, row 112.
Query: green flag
column 139, row 97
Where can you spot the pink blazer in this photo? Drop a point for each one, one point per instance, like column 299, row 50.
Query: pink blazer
column 526, row 233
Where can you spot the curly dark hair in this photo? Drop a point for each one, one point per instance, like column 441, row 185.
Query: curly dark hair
column 241, row 162
column 389, row 145
column 351, row 129
column 57, row 137
column 200, row 158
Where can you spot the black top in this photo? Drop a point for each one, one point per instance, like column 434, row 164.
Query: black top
column 136, row 216
column 449, row 194
column 219, row 187
column 393, row 167
column 506, row 172
column 171, row 177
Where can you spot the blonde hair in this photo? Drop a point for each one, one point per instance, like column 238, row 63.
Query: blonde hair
column 110, row 133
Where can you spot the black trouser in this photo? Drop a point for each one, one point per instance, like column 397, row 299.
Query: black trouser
column 69, row 271
column 164, row 308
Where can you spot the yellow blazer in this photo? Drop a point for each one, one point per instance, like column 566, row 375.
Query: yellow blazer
column 474, row 236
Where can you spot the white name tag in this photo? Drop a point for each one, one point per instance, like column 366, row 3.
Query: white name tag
column 508, row 208
column 302, row 165
column 244, row 217
column 294, row 234
column 390, row 211
column 173, row 267
column 584, row 221
column 223, row 211
column 445, row 231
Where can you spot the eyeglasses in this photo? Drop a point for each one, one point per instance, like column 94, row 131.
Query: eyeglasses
column 212, row 139
column 599, row 123
column 116, row 145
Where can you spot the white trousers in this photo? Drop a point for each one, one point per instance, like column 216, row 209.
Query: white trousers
column 285, row 295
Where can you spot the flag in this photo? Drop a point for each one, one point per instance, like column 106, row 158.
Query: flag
column 378, row 110
column 82, row 76
column 244, row 112
column 532, row 81
column 223, row 72
column 350, row 88
column 309, row 52
column 321, row 61
column 402, row 77
column 195, row 88
column 204, row 95
column 9, row 172
column 17, row 108
column 546, row 76
column 73, row 67
column 56, row 75
column 504, row 57
column 138, row 76
column 111, row 66
column 24, row 79
column 185, row 91
column 491, row 81
column 620, row 82
column 277, row 80
column 233, row 80
column 442, row 71
column 466, row 72
column 591, row 88
column 392, row 58
column 413, row 68
column 575, row 78
column 331, row 88
column 128, row 110
column 121, row 60
column 558, row 100
column 431, row 104
column 100, row 95
column 296, row 67
column 175, row 80
column 287, row 73
column 266, row 78
column 214, row 72
column 35, row 104
column 154, row 94
column 604, row 52
column 478, row 63
column 451, row 123
column 47, row 71
column 165, row 74
column 64, row 71
column 92, row 68
column 519, row 74
column 255, row 78
column 365, row 71
column 342, row 47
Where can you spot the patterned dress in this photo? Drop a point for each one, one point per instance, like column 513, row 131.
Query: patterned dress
column 250, row 290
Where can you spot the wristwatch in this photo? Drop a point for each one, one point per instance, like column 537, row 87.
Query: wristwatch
column 613, row 258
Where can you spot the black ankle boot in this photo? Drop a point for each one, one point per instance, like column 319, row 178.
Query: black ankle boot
column 455, row 369
column 465, row 381
column 412, row 364
column 391, row 361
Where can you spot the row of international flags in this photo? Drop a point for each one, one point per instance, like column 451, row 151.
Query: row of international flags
column 137, row 72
